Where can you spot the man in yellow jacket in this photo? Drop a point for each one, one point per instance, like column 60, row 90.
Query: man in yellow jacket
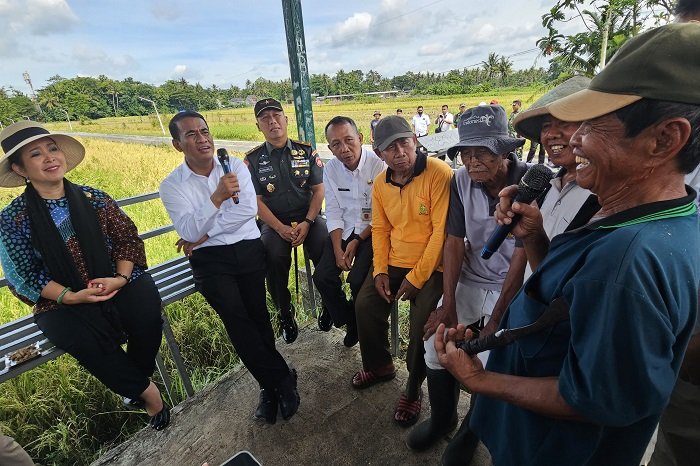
column 410, row 200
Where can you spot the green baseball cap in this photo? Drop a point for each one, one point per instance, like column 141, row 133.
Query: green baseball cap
column 660, row 64
column 529, row 122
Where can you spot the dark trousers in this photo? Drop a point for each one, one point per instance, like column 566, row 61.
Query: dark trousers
column 232, row 280
column 327, row 280
column 279, row 259
column 533, row 150
column 372, row 314
column 126, row 373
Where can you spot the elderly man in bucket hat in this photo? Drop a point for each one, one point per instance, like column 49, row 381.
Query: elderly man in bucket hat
column 409, row 208
column 590, row 389
column 471, row 284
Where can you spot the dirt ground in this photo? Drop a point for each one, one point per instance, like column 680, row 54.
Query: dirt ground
column 335, row 425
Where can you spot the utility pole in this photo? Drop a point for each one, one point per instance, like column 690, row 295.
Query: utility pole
column 298, row 67
column 67, row 118
column 28, row 80
column 157, row 114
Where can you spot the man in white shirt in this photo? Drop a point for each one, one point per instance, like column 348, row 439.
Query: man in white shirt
column 348, row 179
column 444, row 120
column 420, row 122
column 227, row 257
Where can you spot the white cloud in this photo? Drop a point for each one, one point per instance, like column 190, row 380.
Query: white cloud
column 32, row 18
column 94, row 61
column 184, row 71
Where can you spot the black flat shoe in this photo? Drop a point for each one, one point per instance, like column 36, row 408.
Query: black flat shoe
column 267, row 408
column 325, row 321
column 161, row 420
column 288, row 396
column 290, row 329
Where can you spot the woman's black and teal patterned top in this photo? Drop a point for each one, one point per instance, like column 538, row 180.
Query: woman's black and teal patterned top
column 22, row 264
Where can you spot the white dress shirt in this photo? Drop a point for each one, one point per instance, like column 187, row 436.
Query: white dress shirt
column 349, row 192
column 186, row 197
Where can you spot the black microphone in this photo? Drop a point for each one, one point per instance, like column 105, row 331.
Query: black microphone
column 531, row 186
column 222, row 154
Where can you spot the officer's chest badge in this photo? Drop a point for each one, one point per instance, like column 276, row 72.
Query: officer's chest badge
column 270, row 187
column 422, row 210
column 295, row 152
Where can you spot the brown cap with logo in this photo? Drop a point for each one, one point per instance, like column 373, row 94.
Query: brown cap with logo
column 660, row 64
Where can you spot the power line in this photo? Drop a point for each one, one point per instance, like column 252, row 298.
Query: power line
column 407, row 13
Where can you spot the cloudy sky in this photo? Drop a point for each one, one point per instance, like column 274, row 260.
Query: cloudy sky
column 225, row 42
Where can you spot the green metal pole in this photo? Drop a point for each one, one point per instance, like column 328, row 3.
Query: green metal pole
column 298, row 66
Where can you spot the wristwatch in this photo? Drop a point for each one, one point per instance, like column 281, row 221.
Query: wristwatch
column 309, row 221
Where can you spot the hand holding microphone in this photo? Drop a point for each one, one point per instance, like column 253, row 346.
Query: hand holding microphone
column 222, row 154
column 531, row 186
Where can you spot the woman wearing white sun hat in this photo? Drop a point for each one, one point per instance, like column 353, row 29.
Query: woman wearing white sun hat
column 85, row 274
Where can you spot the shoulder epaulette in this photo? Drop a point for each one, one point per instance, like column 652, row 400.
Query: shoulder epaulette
column 254, row 149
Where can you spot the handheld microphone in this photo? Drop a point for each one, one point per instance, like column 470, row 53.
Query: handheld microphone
column 533, row 183
column 222, row 154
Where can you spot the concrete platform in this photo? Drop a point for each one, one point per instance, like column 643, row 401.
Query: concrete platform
column 335, row 425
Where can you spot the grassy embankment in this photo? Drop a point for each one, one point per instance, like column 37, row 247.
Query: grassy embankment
column 61, row 414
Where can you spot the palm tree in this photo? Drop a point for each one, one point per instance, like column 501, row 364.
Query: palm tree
column 490, row 65
column 505, row 67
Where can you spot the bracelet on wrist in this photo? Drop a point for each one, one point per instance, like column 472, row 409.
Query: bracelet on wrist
column 62, row 295
column 309, row 221
column 117, row 274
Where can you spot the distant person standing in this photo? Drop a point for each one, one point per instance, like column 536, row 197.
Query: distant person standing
column 516, row 106
column 420, row 122
column 373, row 124
column 444, row 121
column 462, row 109
column 399, row 112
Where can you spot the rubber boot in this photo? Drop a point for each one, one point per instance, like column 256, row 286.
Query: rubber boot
column 443, row 392
column 460, row 450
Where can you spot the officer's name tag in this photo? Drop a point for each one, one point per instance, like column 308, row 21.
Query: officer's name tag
column 300, row 163
column 366, row 214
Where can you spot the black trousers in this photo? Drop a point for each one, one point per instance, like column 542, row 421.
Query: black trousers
column 232, row 280
column 279, row 259
column 533, row 150
column 126, row 373
column 327, row 280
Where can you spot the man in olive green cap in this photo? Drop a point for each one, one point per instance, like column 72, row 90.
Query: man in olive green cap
column 590, row 389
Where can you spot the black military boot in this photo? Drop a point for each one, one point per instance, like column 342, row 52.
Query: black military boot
column 460, row 450
column 443, row 392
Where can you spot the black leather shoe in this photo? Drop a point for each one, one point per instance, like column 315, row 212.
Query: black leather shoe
column 290, row 329
column 325, row 321
column 288, row 396
column 267, row 408
column 351, row 337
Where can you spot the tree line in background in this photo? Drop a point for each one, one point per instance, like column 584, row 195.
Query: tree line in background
column 86, row 98
column 607, row 25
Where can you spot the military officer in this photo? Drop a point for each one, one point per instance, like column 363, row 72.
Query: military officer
column 288, row 180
